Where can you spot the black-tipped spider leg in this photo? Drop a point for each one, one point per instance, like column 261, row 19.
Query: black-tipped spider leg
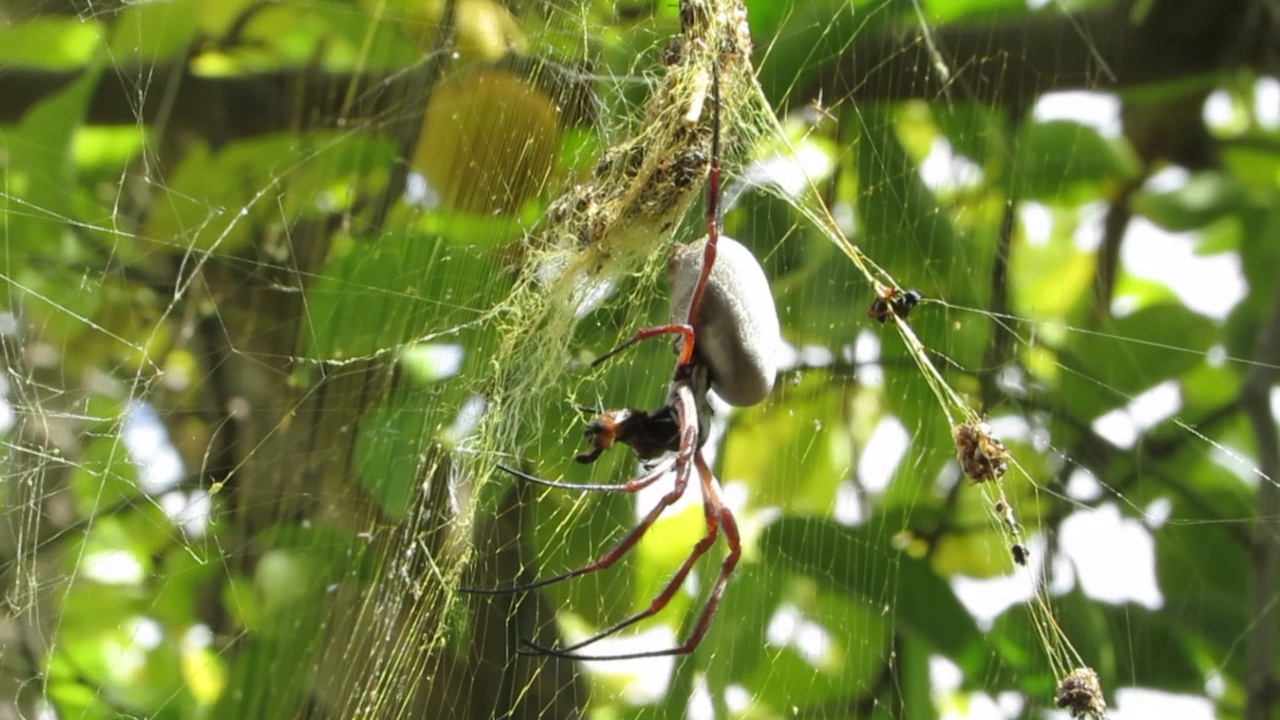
column 718, row 517
column 682, row 467
column 629, row 486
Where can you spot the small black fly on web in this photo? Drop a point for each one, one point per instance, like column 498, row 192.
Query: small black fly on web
column 894, row 302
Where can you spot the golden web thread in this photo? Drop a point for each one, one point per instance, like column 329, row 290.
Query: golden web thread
column 1078, row 690
column 621, row 222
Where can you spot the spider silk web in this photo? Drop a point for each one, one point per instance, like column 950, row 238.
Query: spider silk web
column 285, row 282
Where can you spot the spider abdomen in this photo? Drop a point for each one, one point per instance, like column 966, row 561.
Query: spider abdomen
column 737, row 326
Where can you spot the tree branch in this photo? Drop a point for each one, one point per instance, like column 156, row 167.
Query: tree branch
column 1004, row 63
column 1255, row 400
column 222, row 109
column 1011, row 63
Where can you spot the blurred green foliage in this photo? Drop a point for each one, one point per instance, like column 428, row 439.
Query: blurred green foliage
column 243, row 286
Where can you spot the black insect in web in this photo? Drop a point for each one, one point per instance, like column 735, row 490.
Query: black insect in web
column 724, row 314
column 894, row 302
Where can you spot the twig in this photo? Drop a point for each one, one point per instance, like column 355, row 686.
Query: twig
column 1255, row 400
column 408, row 127
column 1011, row 62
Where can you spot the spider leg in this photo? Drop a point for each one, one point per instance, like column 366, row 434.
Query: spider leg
column 717, row 514
column 684, row 330
column 623, row 547
column 715, row 222
column 714, row 225
column 659, row 602
column 711, row 491
column 629, row 486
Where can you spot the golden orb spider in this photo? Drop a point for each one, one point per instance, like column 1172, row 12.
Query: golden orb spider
column 724, row 313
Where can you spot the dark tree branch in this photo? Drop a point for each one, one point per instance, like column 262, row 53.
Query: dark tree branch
column 1255, row 400
column 1006, row 63
column 409, row 125
column 1010, row 63
column 1119, row 214
column 1000, row 349
column 222, row 109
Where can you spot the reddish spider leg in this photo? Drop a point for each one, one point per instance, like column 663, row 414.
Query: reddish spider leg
column 688, row 445
column 718, row 517
column 686, row 329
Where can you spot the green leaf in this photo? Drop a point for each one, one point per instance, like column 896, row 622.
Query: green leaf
column 1156, row 652
column 1137, row 352
column 942, row 11
column 900, row 218
column 392, row 447
column 50, row 42
column 1252, row 160
column 1056, row 158
column 219, row 200
column 859, row 638
column 856, row 562
column 975, row 131
column 795, row 449
column 1202, row 567
column 77, row 699
column 1206, row 198
column 735, row 647
column 572, row 529
column 154, row 32
column 812, row 30
column 43, row 266
column 1050, row 278
column 810, row 317
column 104, row 477
column 378, row 296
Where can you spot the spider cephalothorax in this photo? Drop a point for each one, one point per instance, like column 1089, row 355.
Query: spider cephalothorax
column 649, row 433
